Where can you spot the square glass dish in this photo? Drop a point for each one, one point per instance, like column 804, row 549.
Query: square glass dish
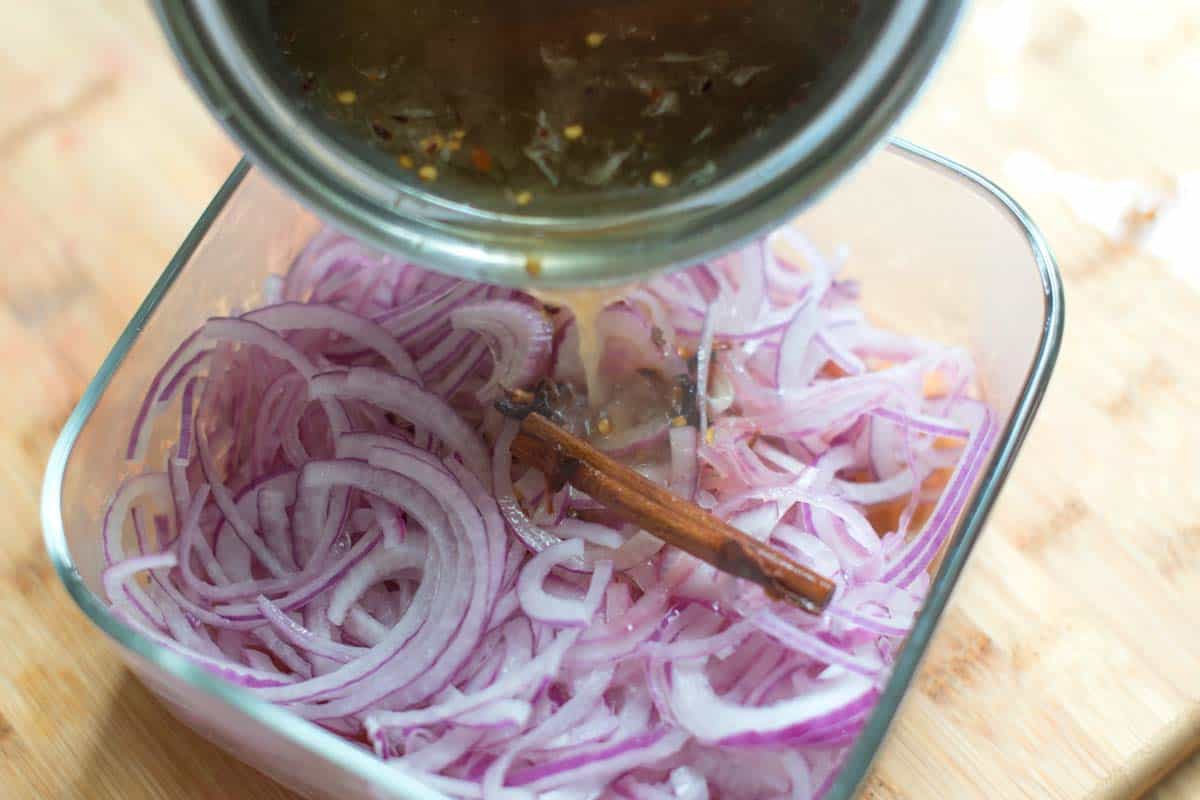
column 941, row 253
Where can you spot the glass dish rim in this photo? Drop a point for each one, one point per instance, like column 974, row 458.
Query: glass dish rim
column 358, row 761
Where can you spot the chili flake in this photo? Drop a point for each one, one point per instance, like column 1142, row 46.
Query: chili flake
column 481, row 159
column 432, row 144
column 380, row 130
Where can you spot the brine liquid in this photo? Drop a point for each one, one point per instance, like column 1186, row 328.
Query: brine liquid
column 585, row 304
column 559, row 96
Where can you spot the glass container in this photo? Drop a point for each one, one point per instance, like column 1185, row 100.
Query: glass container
column 941, row 252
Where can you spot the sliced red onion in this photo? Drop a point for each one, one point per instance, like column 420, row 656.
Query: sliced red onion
column 685, row 469
column 532, row 674
column 341, row 528
column 132, row 490
column 333, row 320
column 402, row 396
column 533, row 536
column 603, row 763
column 703, row 363
column 129, row 596
column 116, row 580
column 710, row 718
column 591, row 533
column 539, row 604
column 520, row 336
column 821, row 651
column 636, row 550
column 300, row 637
column 382, row 564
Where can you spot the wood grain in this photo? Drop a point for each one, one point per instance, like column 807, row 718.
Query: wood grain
column 1067, row 665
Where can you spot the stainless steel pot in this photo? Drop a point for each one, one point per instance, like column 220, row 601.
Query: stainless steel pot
column 226, row 48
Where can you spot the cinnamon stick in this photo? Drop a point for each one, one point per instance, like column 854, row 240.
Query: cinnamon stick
column 565, row 458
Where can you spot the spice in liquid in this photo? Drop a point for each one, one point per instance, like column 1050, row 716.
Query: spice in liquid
column 535, row 98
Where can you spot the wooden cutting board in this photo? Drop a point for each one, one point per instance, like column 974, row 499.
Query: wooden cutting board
column 1068, row 665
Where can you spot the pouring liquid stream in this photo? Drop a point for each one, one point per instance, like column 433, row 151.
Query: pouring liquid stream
column 585, row 304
